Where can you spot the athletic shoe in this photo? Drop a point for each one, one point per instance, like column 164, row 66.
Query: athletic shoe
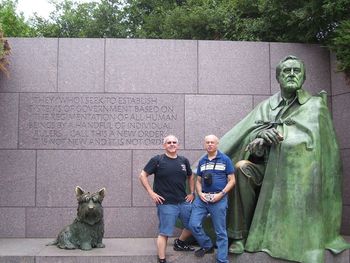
column 182, row 246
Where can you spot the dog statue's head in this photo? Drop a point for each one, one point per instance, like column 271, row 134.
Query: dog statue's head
column 90, row 209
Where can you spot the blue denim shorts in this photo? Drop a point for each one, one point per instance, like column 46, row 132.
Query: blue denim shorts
column 168, row 213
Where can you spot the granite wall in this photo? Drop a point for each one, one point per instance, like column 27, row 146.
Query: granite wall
column 91, row 112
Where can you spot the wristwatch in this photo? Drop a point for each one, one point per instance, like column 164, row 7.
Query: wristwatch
column 223, row 192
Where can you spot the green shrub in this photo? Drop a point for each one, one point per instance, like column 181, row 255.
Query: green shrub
column 4, row 52
column 340, row 44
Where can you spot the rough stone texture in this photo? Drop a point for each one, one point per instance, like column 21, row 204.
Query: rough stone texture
column 262, row 257
column 22, row 246
column 345, row 230
column 58, row 172
column 316, row 60
column 121, row 222
column 17, row 177
column 16, row 259
column 343, row 257
column 81, row 65
column 127, row 250
column 213, row 114
column 95, row 259
column 151, row 66
column 345, row 154
column 8, row 120
column 98, row 121
column 341, row 117
column 258, row 99
column 227, row 67
column 33, row 65
column 140, row 159
column 12, row 222
column 207, row 86
column 131, row 222
column 48, row 222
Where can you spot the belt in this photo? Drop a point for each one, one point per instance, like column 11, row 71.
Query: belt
column 211, row 192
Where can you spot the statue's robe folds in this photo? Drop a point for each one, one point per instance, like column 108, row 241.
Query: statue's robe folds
column 298, row 213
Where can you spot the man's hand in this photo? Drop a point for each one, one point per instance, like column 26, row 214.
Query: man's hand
column 217, row 197
column 157, row 199
column 270, row 136
column 214, row 197
column 189, row 198
column 202, row 196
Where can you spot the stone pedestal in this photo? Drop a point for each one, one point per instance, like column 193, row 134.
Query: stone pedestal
column 121, row 250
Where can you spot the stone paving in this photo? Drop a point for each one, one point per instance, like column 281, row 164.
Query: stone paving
column 121, row 250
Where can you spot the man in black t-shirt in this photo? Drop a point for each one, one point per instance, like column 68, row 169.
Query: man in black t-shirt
column 169, row 194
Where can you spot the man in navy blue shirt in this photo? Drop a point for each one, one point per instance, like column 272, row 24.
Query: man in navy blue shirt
column 169, row 194
column 215, row 177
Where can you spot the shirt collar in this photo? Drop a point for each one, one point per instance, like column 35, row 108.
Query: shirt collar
column 302, row 97
column 216, row 157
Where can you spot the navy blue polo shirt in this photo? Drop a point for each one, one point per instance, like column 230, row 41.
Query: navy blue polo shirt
column 219, row 167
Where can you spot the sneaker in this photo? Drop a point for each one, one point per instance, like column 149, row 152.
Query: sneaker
column 202, row 251
column 182, row 246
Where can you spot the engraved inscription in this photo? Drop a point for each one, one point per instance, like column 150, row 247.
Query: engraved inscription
column 97, row 121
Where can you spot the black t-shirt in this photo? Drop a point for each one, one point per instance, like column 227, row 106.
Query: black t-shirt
column 169, row 177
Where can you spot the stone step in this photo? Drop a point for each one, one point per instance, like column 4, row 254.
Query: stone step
column 121, row 250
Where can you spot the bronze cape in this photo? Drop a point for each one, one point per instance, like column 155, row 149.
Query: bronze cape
column 298, row 213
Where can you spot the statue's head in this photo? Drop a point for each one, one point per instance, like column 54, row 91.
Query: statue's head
column 290, row 74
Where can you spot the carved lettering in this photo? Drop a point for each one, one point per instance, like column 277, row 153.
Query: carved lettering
column 108, row 121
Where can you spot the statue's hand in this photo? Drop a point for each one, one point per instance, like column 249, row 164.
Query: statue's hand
column 270, row 136
column 256, row 147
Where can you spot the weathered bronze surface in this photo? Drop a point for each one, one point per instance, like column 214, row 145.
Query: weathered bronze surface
column 287, row 200
column 87, row 230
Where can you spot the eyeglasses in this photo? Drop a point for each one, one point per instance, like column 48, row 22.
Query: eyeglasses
column 170, row 142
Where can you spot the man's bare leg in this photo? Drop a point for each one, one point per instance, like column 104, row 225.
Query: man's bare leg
column 185, row 234
column 161, row 245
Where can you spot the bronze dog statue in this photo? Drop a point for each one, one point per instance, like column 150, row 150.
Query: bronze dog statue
column 87, row 230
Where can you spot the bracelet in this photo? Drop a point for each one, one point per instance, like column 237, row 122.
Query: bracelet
column 223, row 192
column 192, row 193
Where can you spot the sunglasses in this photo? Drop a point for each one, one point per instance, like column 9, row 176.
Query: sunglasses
column 170, row 142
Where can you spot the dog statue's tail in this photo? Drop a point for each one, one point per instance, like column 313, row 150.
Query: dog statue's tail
column 55, row 242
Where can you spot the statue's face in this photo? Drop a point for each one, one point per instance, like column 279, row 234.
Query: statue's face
column 291, row 77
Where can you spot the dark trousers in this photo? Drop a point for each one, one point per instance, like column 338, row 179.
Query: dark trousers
column 244, row 197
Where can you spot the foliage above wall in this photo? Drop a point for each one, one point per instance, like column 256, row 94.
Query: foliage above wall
column 314, row 21
column 340, row 44
column 4, row 52
column 13, row 24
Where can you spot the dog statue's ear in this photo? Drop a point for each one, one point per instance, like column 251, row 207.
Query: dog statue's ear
column 102, row 193
column 79, row 191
